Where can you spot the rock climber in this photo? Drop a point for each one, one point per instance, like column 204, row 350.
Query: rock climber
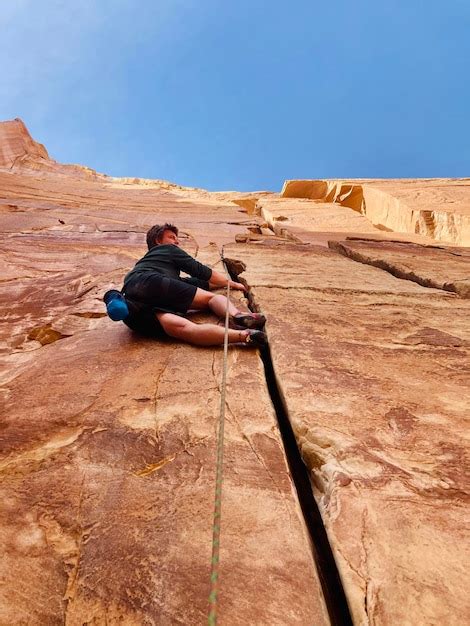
column 154, row 298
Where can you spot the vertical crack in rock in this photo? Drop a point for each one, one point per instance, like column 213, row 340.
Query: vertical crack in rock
column 332, row 587
column 335, row 597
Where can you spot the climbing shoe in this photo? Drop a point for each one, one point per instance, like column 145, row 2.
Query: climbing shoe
column 116, row 305
column 247, row 320
column 256, row 338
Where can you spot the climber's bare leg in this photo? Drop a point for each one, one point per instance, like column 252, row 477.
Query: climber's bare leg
column 198, row 334
column 216, row 303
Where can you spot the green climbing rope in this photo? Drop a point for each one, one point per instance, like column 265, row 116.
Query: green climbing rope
column 214, row 579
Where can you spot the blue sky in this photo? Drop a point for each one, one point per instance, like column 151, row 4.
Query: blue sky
column 242, row 95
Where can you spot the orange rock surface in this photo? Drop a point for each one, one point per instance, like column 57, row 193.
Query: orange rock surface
column 108, row 439
column 374, row 372
column 436, row 208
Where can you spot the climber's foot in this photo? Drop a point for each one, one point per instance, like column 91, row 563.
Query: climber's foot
column 256, row 338
column 247, row 320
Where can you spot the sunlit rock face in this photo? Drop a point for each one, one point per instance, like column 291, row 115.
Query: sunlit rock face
column 108, row 439
column 16, row 145
column 436, row 208
column 373, row 369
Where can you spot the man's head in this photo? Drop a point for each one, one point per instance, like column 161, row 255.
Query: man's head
column 161, row 235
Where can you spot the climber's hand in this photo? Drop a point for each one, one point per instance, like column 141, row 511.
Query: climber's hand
column 237, row 286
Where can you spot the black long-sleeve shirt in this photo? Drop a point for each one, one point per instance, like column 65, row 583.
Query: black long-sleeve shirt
column 169, row 260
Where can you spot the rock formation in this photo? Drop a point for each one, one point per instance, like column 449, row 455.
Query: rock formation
column 108, row 439
column 437, row 208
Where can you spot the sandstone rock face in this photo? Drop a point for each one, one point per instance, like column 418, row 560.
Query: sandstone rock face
column 430, row 266
column 108, row 439
column 436, row 208
column 17, row 144
column 374, row 373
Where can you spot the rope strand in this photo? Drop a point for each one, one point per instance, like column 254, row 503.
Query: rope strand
column 214, row 579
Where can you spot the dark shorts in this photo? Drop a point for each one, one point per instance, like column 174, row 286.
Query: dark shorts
column 152, row 292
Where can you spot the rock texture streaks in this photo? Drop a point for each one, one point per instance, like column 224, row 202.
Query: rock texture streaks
column 108, row 458
column 435, row 208
column 107, row 439
column 374, row 372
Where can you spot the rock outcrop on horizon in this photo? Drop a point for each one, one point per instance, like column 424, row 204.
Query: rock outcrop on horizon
column 108, row 439
column 436, row 208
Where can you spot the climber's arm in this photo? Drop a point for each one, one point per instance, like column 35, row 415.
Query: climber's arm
column 218, row 279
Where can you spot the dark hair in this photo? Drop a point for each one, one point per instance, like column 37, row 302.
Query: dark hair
column 155, row 233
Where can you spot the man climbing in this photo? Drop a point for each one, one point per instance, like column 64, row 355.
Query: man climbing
column 155, row 298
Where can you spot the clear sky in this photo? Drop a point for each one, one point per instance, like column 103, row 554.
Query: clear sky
column 242, row 94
